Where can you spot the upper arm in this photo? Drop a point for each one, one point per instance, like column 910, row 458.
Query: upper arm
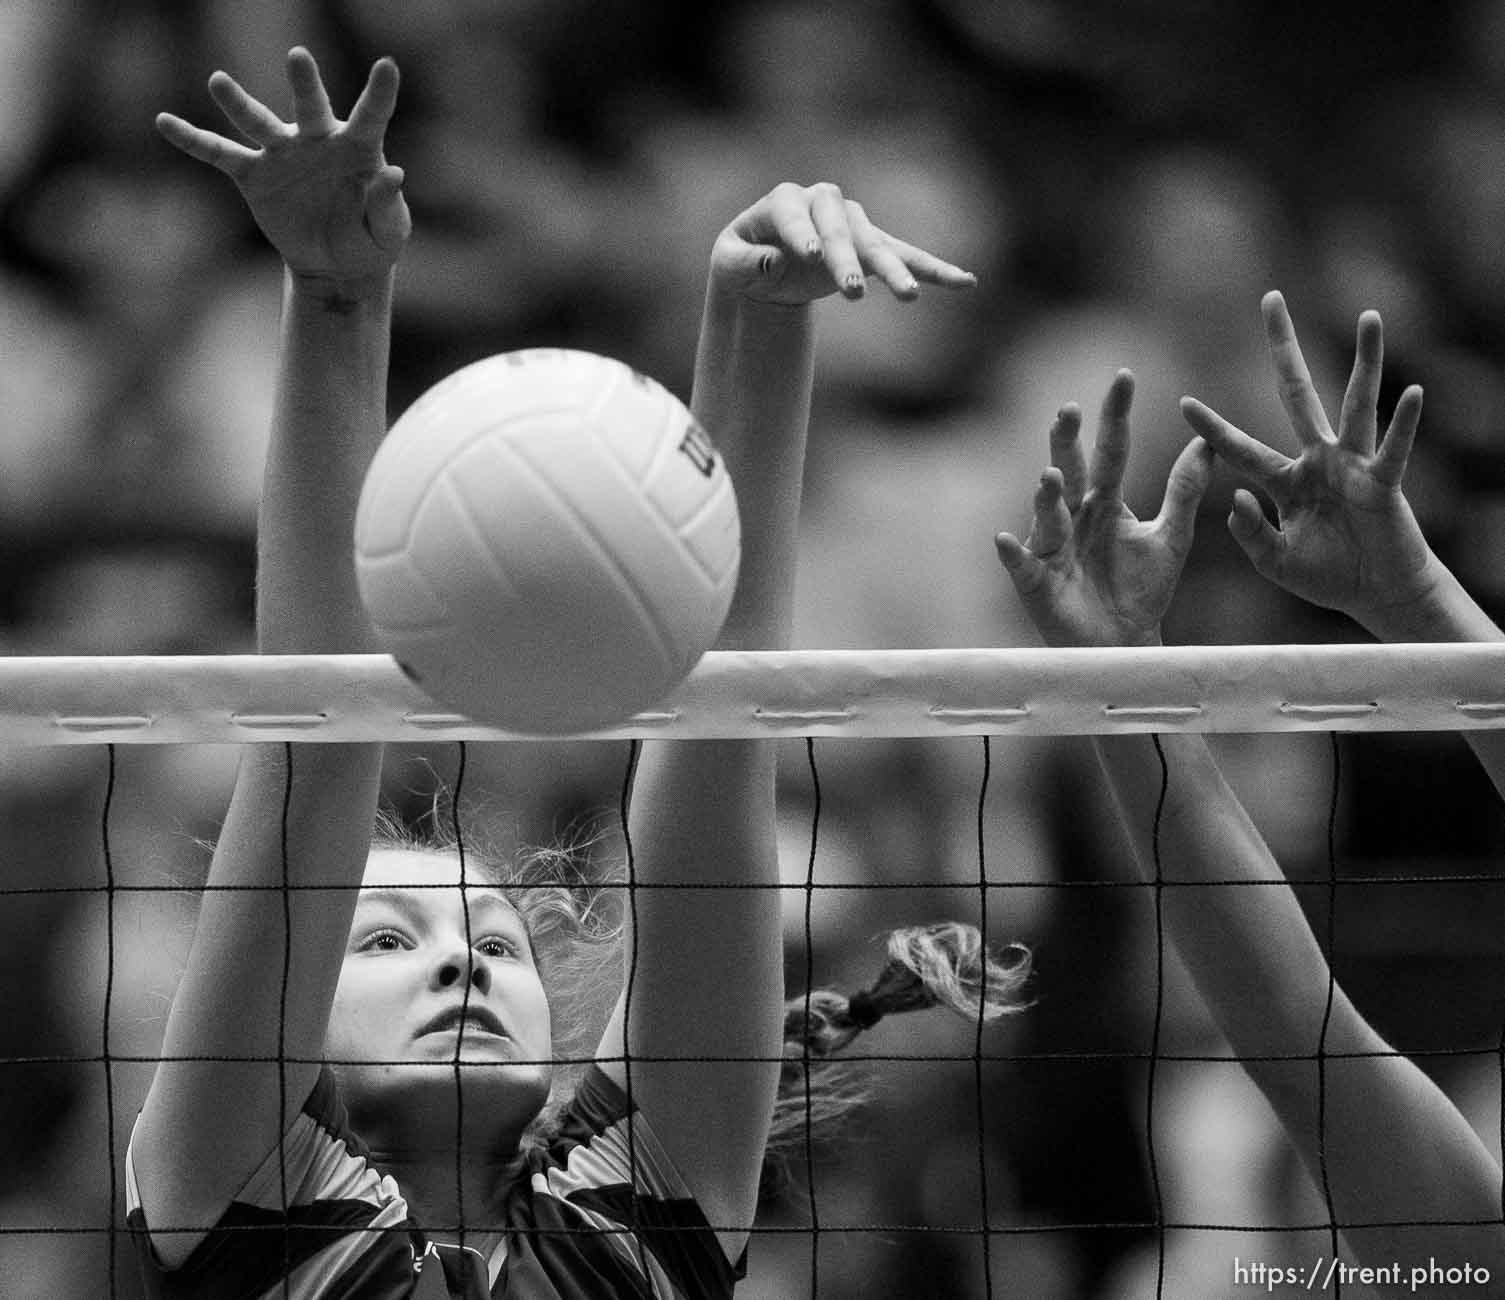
column 1394, row 1146
column 1385, row 1146
column 246, row 1031
column 704, row 970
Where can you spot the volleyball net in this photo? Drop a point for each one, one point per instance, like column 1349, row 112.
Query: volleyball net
column 986, row 1227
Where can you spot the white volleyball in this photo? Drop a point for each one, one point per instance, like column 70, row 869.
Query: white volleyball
column 547, row 541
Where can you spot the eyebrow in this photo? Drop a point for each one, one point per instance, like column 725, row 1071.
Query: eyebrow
column 403, row 900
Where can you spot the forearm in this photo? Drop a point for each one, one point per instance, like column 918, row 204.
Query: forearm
column 329, row 416
column 753, row 373
column 1247, row 945
column 1254, row 959
column 1445, row 612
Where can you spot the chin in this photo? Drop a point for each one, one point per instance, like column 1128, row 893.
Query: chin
column 426, row 1091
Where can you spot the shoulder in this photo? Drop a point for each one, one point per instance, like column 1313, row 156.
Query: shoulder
column 319, row 1183
column 604, row 1168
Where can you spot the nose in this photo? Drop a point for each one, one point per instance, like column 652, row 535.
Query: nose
column 455, row 967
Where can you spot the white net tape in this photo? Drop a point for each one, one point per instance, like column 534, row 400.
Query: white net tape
column 913, row 693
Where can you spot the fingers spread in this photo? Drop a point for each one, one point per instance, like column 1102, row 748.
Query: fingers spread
column 1395, row 451
column 1297, row 395
column 1357, row 420
column 828, row 210
column 378, row 100
column 206, row 146
column 1110, row 453
column 311, row 110
column 1247, row 455
column 1066, row 453
column 249, row 116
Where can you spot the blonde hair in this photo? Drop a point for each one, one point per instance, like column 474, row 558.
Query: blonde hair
column 576, row 926
column 946, row 964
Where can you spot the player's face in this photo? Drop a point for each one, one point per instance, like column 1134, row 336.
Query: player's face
column 404, row 982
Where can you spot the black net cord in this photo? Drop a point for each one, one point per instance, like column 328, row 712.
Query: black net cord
column 109, row 864
column 985, row 1214
column 1327, row 1008
column 468, row 975
column 287, row 963
column 624, row 809
column 1149, row 1103
column 805, row 1035
column 108, row 1058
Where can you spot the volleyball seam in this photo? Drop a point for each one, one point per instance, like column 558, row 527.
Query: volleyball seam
column 603, row 553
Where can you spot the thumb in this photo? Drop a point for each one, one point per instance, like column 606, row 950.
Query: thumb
column 1184, row 487
column 1023, row 567
column 1254, row 534
column 742, row 262
column 387, row 215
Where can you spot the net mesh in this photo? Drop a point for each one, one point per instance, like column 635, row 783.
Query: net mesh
column 979, row 1209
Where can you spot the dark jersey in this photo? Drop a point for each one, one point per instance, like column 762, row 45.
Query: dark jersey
column 346, row 1233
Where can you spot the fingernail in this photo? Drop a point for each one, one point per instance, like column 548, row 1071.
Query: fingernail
column 855, row 283
column 812, row 249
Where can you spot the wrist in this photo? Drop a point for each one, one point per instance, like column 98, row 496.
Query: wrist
column 343, row 295
column 1437, row 609
column 730, row 287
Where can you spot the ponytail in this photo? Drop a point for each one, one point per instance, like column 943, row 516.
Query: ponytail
column 940, row 965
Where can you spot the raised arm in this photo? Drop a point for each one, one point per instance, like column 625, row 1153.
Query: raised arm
column 706, row 966
column 1347, row 538
column 1395, row 1147
column 323, row 194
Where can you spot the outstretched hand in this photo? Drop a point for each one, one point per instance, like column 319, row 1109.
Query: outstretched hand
column 320, row 188
column 1347, row 538
column 1091, row 573
column 800, row 243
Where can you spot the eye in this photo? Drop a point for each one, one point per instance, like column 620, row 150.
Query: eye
column 382, row 941
column 496, row 946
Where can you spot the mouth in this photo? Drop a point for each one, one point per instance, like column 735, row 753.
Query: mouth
column 473, row 1020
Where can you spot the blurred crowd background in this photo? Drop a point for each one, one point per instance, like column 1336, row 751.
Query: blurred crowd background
column 1126, row 179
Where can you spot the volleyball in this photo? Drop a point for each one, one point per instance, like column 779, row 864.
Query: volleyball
column 547, row 541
